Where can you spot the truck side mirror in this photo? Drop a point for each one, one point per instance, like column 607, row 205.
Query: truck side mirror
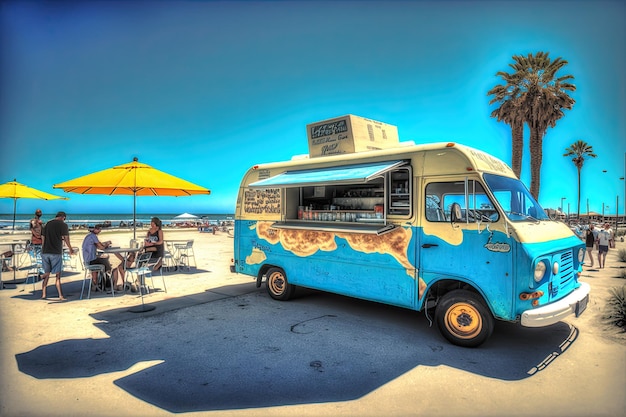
column 455, row 213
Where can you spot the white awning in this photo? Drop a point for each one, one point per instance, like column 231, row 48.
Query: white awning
column 346, row 174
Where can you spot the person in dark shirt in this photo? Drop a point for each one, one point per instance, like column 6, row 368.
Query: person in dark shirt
column 54, row 233
column 590, row 240
column 154, row 241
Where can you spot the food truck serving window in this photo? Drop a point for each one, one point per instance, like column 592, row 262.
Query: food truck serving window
column 349, row 198
column 347, row 174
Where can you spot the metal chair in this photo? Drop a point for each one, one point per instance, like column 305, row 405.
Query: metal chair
column 185, row 254
column 3, row 261
column 19, row 250
column 35, row 269
column 99, row 268
column 140, row 270
column 169, row 261
column 71, row 261
column 150, row 267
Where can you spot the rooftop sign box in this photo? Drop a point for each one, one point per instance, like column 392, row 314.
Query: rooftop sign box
column 350, row 134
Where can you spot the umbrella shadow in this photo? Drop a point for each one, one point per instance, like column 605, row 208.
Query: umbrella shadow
column 249, row 351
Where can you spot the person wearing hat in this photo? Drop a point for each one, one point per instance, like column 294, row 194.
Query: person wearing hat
column 53, row 234
column 35, row 229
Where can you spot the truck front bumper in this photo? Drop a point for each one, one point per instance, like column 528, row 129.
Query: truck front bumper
column 574, row 303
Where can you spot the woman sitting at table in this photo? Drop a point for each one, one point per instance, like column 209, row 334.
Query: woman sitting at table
column 154, row 241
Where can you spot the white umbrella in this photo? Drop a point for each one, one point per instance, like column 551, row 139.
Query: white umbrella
column 186, row 216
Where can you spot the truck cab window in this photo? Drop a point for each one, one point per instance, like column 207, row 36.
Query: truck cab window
column 470, row 195
column 514, row 199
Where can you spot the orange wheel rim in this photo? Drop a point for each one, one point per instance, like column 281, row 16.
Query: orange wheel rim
column 463, row 320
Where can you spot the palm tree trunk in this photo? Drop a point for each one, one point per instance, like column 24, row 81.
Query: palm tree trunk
column 579, row 168
column 517, row 147
column 536, row 156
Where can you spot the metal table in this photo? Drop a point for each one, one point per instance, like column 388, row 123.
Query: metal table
column 13, row 243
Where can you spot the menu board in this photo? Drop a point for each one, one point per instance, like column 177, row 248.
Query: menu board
column 262, row 201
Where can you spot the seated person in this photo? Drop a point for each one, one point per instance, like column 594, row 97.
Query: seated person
column 91, row 244
column 154, row 241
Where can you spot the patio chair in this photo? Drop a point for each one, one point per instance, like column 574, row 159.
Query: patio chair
column 185, row 254
column 169, row 261
column 3, row 261
column 71, row 261
column 140, row 270
column 99, row 268
column 19, row 252
column 35, row 269
column 150, row 267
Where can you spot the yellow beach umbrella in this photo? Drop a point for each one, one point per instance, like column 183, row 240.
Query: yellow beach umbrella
column 15, row 190
column 134, row 178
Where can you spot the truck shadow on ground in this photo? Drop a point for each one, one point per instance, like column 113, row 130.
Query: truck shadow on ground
column 249, row 351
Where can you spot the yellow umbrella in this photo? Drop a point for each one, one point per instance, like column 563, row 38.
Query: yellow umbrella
column 134, row 178
column 15, row 190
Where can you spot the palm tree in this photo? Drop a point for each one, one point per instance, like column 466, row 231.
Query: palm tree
column 579, row 150
column 510, row 112
column 546, row 99
column 537, row 96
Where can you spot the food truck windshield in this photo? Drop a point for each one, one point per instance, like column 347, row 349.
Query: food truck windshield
column 515, row 199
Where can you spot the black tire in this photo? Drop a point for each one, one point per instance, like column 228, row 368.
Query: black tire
column 277, row 285
column 463, row 318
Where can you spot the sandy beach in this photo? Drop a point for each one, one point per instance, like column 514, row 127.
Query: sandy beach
column 213, row 253
column 30, row 325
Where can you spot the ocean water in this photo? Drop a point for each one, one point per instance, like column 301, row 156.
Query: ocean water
column 88, row 220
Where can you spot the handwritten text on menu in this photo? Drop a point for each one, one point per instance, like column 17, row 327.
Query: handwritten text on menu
column 262, row 201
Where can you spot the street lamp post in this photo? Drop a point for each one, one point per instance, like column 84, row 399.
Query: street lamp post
column 617, row 200
column 616, row 212
column 623, row 201
column 602, row 212
column 562, row 208
column 568, row 213
column 608, row 212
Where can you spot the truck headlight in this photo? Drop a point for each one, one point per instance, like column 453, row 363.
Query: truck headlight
column 540, row 271
column 581, row 254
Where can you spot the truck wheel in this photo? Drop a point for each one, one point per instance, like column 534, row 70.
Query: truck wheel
column 463, row 318
column 277, row 286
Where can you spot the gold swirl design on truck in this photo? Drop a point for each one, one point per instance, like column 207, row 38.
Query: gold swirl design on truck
column 306, row 242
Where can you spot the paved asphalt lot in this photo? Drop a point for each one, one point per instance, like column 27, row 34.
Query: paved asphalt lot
column 217, row 345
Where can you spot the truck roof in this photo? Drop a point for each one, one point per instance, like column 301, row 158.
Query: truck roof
column 448, row 157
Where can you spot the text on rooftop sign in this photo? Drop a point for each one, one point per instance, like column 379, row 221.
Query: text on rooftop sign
column 327, row 129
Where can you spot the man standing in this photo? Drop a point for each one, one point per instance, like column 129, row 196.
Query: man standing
column 35, row 229
column 605, row 236
column 55, row 232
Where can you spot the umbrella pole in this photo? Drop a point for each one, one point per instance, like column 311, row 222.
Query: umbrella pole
column 134, row 215
column 14, row 207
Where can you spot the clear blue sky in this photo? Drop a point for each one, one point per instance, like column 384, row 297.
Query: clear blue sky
column 204, row 90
